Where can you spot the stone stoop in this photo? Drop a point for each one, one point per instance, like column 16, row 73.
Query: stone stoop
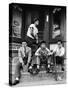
column 27, row 77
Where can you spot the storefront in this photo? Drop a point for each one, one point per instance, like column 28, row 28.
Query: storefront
column 52, row 24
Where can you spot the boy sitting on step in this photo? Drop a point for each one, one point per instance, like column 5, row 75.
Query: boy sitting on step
column 42, row 54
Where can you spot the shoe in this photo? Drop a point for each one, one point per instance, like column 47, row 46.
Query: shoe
column 62, row 69
column 48, row 70
column 59, row 78
column 16, row 82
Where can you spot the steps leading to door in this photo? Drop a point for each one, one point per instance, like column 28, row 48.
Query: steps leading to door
column 27, row 77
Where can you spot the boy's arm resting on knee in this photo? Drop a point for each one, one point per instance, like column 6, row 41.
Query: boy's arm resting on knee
column 37, row 53
column 49, row 52
column 21, row 61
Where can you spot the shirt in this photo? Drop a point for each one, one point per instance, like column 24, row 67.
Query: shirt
column 40, row 51
column 22, row 53
column 59, row 51
column 32, row 29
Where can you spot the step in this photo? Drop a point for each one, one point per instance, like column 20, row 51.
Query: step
column 27, row 77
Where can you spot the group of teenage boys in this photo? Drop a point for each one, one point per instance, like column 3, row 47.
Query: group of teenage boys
column 25, row 52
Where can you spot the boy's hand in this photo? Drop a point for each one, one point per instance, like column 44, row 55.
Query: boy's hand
column 37, row 41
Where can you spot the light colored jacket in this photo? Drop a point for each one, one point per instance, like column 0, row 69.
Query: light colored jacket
column 22, row 54
column 59, row 51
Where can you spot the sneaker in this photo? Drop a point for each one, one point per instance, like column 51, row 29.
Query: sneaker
column 59, row 78
column 16, row 82
column 62, row 69
column 30, row 67
column 48, row 66
column 48, row 70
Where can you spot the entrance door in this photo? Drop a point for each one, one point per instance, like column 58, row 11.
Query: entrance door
column 38, row 12
column 29, row 17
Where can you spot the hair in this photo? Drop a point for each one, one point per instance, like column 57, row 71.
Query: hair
column 59, row 41
column 35, row 19
column 42, row 42
column 24, row 42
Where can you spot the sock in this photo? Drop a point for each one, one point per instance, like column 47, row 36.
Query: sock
column 37, row 66
column 30, row 67
column 48, row 66
column 17, row 78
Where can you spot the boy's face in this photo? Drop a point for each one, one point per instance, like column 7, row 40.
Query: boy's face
column 43, row 46
column 59, row 44
column 24, row 44
column 37, row 22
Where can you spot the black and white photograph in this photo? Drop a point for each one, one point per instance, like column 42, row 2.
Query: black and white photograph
column 37, row 44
